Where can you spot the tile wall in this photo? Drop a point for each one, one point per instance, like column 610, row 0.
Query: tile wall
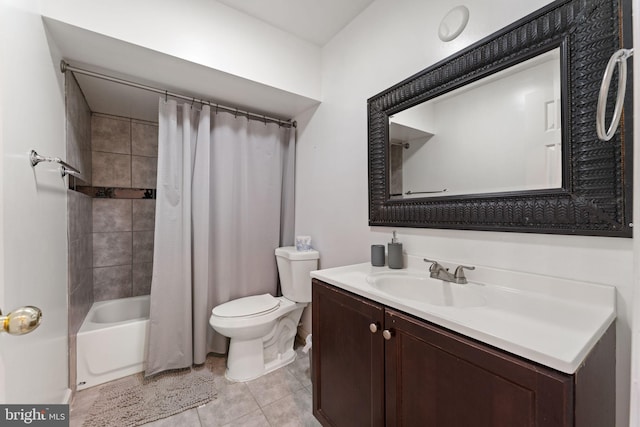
column 124, row 156
column 79, row 216
column 111, row 217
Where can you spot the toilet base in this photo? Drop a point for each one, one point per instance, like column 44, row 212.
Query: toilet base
column 245, row 360
column 250, row 359
column 244, row 373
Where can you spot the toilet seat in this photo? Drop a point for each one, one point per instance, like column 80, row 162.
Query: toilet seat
column 256, row 305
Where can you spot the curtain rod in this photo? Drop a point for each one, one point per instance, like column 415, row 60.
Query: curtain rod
column 64, row 66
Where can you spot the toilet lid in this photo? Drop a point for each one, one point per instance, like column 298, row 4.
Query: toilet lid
column 247, row 306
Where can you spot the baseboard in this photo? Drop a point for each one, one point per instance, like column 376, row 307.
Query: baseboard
column 66, row 400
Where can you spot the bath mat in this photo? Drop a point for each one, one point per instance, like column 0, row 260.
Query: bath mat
column 134, row 400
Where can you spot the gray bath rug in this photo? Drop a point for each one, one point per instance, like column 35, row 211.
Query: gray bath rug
column 134, row 400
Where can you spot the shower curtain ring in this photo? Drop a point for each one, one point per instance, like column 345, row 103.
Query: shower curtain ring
column 265, row 119
column 166, row 96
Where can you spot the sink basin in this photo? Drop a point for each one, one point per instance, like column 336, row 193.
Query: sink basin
column 422, row 288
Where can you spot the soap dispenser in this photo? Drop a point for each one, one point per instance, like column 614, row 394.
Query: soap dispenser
column 394, row 249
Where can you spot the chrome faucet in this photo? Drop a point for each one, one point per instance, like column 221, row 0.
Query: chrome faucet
column 437, row 271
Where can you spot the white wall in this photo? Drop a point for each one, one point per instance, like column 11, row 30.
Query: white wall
column 204, row 32
column 387, row 43
column 33, row 232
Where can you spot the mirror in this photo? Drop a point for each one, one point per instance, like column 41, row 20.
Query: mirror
column 447, row 151
column 449, row 146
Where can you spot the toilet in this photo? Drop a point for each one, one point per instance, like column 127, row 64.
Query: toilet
column 262, row 328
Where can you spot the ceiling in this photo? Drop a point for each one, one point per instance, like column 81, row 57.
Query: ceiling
column 316, row 21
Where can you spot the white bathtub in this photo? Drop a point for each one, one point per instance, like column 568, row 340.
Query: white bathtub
column 112, row 341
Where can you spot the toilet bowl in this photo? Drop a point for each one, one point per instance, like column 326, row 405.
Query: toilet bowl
column 262, row 328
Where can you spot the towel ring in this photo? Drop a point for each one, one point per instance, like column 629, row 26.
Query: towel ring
column 618, row 58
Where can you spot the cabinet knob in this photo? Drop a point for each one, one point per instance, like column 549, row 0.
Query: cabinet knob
column 373, row 328
column 387, row 334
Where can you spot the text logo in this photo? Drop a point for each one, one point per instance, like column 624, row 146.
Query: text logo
column 34, row 415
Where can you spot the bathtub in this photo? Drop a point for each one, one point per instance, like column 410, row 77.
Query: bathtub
column 112, row 341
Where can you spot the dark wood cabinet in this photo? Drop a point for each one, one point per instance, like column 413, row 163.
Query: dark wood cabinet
column 348, row 359
column 436, row 378
column 376, row 366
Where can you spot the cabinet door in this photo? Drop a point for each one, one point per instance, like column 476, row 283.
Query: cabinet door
column 348, row 359
column 437, row 378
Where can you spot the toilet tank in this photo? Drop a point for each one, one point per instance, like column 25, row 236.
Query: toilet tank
column 294, row 268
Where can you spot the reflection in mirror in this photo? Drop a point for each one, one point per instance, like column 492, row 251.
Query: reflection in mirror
column 501, row 133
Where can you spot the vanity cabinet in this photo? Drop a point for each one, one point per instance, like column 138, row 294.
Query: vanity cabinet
column 348, row 360
column 376, row 366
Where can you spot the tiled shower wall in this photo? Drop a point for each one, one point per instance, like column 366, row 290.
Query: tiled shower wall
column 80, row 233
column 110, row 222
column 124, row 156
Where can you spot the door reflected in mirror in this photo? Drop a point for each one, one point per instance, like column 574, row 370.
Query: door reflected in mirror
column 501, row 133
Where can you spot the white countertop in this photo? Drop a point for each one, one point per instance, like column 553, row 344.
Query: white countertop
column 549, row 320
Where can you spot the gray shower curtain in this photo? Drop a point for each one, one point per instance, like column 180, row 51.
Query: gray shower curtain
column 224, row 203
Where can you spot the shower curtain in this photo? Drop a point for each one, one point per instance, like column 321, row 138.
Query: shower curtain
column 224, row 202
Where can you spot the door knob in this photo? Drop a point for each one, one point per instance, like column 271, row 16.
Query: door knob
column 21, row 320
column 387, row 334
column 373, row 327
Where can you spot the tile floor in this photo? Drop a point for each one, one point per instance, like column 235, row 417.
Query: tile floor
column 281, row 398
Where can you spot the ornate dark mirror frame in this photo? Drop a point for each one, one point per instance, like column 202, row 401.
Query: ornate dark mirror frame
column 596, row 194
